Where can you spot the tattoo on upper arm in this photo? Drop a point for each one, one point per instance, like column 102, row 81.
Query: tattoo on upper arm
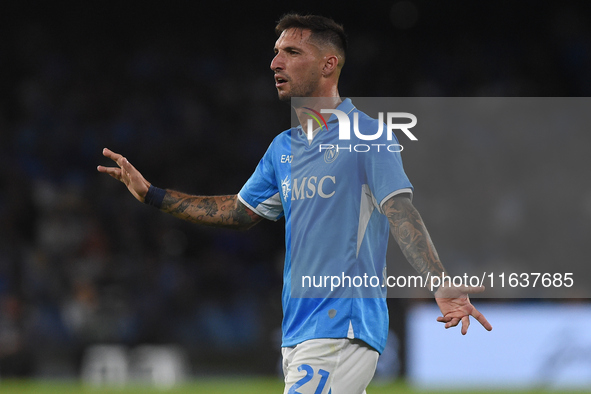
column 218, row 211
column 410, row 232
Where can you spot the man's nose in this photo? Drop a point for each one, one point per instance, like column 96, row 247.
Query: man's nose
column 277, row 63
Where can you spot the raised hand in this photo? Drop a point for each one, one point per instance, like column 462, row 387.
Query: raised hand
column 136, row 184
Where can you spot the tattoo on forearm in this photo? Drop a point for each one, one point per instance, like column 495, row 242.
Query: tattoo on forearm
column 217, row 211
column 409, row 231
column 209, row 206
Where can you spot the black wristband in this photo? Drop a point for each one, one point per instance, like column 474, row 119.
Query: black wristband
column 154, row 196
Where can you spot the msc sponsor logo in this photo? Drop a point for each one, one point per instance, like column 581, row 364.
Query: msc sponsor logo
column 310, row 187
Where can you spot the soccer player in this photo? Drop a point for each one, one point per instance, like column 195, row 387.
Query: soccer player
column 339, row 208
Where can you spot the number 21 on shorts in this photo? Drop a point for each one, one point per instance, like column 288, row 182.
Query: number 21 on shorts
column 309, row 375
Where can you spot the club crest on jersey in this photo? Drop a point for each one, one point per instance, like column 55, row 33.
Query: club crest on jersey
column 331, row 155
column 285, row 187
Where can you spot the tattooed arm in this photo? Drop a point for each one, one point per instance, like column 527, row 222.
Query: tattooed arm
column 218, row 211
column 406, row 225
column 409, row 231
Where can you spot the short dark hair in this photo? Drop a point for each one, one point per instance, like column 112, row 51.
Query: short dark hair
column 323, row 29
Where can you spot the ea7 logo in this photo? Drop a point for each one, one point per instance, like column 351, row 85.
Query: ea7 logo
column 345, row 125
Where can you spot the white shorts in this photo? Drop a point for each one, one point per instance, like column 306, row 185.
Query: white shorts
column 323, row 366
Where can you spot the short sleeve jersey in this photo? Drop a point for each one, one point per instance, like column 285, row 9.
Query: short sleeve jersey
column 332, row 200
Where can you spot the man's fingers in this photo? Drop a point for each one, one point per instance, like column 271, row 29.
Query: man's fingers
column 125, row 166
column 481, row 319
column 113, row 171
column 443, row 319
column 112, row 155
column 126, row 173
column 452, row 323
column 109, row 153
column 465, row 324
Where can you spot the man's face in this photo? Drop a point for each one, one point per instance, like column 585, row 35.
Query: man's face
column 297, row 64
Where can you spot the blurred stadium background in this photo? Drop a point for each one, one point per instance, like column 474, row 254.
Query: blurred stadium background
column 184, row 90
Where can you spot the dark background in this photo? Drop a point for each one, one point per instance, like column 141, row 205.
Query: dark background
column 184, row 90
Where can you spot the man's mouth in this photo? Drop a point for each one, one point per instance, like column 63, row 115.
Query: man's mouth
column 280, row 81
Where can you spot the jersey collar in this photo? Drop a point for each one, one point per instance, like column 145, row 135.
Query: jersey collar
column 346, row 106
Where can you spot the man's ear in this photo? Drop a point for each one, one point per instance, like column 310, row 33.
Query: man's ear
column 331, row 63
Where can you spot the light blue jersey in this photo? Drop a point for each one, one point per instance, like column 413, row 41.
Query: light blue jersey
column 331, row 199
